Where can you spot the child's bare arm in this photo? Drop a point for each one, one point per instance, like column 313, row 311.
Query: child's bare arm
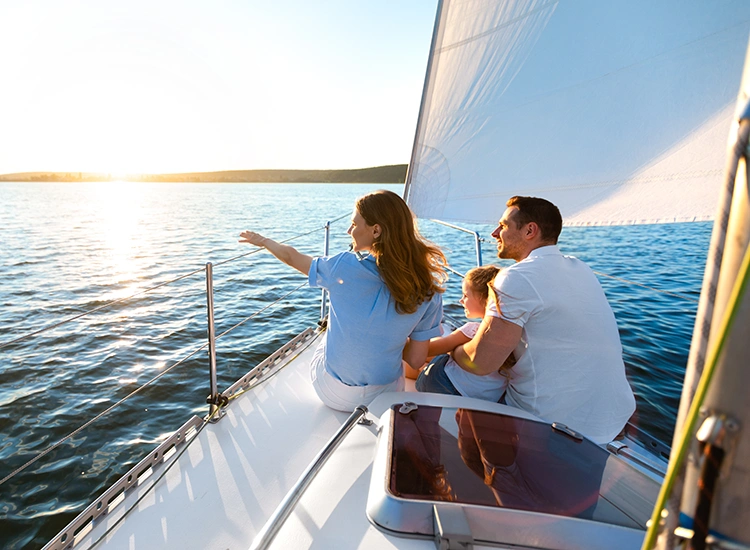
column 445, row 344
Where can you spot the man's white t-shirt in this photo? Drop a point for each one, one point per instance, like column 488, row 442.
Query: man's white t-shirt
column 569, row 365
column 489, row 387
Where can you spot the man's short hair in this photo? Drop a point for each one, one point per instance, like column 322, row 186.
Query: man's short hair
column 540, row 211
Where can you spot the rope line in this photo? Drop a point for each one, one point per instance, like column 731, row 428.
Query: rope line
column 261, row 310
column 280, row 242
column 97, row 417
column 119, row 300
column 447, row 268
column 136, row 391
column 683, row 439
column 68, row 320
column 676, row 295
column 699, row 345
column 206, row 421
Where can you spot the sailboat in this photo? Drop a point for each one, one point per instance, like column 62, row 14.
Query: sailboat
column 618, row 113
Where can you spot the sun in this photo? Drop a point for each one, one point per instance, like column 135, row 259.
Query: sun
column 119, row 176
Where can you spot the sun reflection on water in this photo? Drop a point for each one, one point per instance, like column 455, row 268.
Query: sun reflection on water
column 119, row 210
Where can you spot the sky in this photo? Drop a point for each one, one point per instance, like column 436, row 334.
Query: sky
column 125, row 87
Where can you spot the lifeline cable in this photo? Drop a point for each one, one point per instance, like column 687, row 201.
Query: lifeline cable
column 676, row 295
column 647, row 287
column 206, row 421
column 280, row 242
column 261, row 310
column 113, row 302
column 455, row 272
column 97, row 417
column 108, row 410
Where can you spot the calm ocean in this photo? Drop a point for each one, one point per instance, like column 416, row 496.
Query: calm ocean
column 69, row 248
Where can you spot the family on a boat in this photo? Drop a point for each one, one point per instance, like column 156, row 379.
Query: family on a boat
column 547, row 342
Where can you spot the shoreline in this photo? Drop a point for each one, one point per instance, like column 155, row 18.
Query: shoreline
column 395, row 173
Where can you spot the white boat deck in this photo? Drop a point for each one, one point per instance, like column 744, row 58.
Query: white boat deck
column 232, row 475
column 331, row 513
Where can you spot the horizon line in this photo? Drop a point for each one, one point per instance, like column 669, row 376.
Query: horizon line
column 88, row 173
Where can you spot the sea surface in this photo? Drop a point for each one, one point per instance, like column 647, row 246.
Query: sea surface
column 68, row 248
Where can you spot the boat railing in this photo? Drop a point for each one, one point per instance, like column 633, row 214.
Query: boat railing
column 203, row 269
column 324, row 297
column 478, row 240
column 268, row 532
column 215, row 399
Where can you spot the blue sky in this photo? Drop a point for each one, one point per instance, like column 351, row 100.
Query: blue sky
column 181, row 86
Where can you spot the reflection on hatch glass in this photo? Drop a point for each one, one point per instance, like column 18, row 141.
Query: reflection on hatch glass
column 474, row 457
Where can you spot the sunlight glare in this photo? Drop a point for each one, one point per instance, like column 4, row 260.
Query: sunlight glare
column 119, row 206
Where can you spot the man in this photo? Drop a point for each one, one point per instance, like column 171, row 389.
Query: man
column 551, row 312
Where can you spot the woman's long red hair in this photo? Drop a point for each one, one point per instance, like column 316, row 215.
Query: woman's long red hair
column 412, row 268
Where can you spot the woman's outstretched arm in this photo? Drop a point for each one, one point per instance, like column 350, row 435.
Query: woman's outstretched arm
column 287, row 254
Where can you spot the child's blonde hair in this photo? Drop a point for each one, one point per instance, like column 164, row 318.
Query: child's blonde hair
column 480, row 277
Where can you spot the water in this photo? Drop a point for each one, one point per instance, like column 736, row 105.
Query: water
column 69, row 248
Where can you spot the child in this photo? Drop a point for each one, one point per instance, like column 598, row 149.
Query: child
column 442, row 374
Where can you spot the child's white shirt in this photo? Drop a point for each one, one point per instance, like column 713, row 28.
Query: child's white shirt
column 490, row 387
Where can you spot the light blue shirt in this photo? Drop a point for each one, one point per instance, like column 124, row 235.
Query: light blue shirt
column 366, row 336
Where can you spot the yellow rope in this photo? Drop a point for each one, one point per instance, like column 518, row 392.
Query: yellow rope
column 689, row 427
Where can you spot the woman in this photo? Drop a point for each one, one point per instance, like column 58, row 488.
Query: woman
column 378, row 301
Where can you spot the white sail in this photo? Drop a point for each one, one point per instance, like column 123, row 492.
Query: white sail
column 625, row 122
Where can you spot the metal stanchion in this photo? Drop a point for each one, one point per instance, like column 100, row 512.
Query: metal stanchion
column 324, row 296
column 214, row 398
column 478, row 244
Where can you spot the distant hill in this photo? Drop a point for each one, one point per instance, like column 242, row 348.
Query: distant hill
column 395, row 173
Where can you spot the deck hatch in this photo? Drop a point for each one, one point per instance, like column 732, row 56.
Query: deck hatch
column 500, row 466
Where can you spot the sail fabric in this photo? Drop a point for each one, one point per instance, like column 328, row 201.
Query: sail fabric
column 617, row 111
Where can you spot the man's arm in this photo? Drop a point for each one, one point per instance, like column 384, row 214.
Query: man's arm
column 287, row 254
column 494, row 342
